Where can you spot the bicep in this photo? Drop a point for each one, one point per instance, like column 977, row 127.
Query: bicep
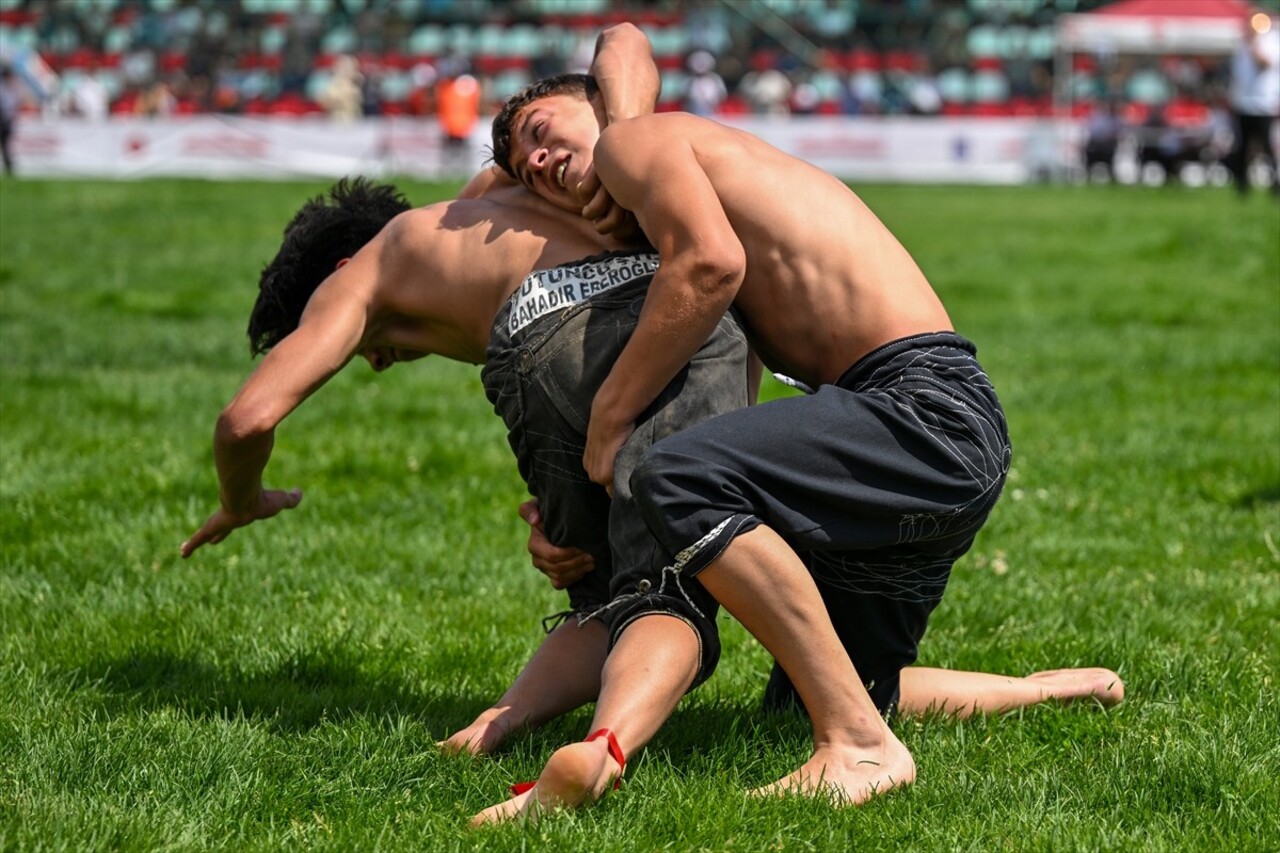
column 670, row 193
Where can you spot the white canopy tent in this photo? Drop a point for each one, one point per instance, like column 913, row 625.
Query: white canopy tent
column 1143, row 27
column 1202, row 27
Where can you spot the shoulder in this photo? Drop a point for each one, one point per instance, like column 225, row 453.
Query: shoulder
column 406, row 233
column 644, row 139
column 659, row 125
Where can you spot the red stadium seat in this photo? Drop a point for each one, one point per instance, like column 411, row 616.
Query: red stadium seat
column 173, row 60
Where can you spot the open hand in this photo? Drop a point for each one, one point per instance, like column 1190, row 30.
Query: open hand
column 221, row 523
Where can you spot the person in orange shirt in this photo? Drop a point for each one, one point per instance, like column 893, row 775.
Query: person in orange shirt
column 458, row 109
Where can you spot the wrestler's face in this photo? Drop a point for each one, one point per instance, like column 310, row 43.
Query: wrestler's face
column 552, row 140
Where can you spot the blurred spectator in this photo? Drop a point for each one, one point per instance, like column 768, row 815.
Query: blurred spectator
column 371, row 91
column 89, row 96
column 458, row 107
column 421, row 100
column 805, row 98
column 155, row 101
column 769, row 91
column 10, row 105
column 706, row 89
column 342, row 97
column 1254, row 97
column 1102, row 137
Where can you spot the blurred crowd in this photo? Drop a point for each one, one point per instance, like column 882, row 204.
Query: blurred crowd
column 350, row 58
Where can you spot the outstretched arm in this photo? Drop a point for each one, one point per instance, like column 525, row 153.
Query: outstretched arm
column 330, row 332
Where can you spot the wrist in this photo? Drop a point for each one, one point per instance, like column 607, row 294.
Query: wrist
column 240, row 506
column 606, row 411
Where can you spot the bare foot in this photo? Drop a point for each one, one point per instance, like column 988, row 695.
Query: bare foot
column 482, row 737
column 576, row 775
column 1087, row 683
column 852, row 776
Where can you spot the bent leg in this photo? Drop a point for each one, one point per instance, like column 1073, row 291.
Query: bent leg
column 963, row 694
column 563, row 674
column 761, row 581
column 650, row 667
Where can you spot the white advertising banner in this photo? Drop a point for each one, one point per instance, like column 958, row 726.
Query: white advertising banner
column 952, row 150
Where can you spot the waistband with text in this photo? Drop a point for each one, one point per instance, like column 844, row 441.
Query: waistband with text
column 545, row 291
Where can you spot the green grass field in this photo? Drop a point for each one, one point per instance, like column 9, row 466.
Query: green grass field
column 285, row 689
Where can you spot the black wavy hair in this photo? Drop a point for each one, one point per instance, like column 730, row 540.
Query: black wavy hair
column 325, row 230
column 582, row 85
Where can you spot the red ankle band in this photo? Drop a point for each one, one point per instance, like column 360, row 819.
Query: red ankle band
column 615, row 752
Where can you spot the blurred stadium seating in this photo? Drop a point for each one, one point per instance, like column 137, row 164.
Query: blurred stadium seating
column 884, row 57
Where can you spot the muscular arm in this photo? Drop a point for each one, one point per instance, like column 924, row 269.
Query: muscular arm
column 624, row 70
column 659, row 178
column 629, row 84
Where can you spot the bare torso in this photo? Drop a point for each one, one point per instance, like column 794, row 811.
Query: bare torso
column 446, row 269
column 826, row 282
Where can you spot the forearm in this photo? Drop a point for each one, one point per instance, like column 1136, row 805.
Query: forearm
column 624, row 70
column 677, row 319
column 240, row 459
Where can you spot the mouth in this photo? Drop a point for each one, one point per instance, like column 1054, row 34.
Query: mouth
column 560, row 171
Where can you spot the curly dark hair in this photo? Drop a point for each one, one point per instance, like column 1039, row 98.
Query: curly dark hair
column 323, row 232
column 582, row 85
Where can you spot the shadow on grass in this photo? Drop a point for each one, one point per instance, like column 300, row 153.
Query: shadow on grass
column 308, row 689
column 1259, row 497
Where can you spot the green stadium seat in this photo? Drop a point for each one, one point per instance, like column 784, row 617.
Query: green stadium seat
column 523, row 40
column 117, row 39
column 505, row 84
column 396, row 86
column 273, row 38
column 828, row 84
column 955, row 86
column 461, row 39
column 428, row 40
column 340, row 39
column 983, row 40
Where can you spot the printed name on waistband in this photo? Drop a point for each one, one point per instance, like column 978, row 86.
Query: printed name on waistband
column 544, row 291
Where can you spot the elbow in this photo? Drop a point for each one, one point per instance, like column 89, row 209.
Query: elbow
column 719, row 274
column 236, row 426
column 625, row 32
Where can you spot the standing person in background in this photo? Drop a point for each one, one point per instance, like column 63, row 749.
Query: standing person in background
column 1254, row 98
column 89, row 98
column 458, row 108
column 706, row 89
column 342, row 97
column 10, row 104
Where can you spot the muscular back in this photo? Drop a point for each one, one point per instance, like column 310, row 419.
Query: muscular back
column 825, row 281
